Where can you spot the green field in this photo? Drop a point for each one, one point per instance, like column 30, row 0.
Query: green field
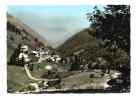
column 18, row 79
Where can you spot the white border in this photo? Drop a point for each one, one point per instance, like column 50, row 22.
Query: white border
column 111, row 96
column 64, row 2
column 3, row 49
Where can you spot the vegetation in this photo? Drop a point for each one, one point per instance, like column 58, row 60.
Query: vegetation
column 112, row 24
column 18, row 33
column 17, row 78
column 107, row 39
column 80, row 40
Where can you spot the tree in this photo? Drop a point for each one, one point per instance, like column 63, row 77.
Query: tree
column 112, row 24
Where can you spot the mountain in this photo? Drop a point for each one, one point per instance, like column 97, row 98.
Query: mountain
column 81, row 40
column 19, row 33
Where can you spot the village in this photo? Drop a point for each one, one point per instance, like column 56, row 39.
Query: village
column 31, row 60
column 91, row 60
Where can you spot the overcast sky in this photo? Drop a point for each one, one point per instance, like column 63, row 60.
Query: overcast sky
column 55, row 23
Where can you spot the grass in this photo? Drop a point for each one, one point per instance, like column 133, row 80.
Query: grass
column 17, row 78
column 9, row 53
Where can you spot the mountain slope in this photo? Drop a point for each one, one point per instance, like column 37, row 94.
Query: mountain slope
column 19, row 33
column 81, row 40
column 18, row 23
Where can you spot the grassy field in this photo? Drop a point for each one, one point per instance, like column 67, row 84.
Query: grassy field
column 82, row 80
column 17, row 78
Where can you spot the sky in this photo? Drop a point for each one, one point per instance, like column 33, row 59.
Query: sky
column 55, row 23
